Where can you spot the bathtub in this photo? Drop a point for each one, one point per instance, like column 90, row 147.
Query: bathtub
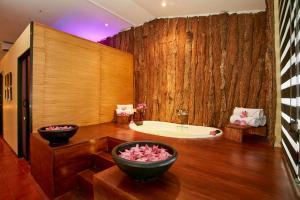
column 174, row 130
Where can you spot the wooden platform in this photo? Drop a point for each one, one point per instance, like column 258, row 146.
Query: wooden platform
column 237, row 133
column 212, row 168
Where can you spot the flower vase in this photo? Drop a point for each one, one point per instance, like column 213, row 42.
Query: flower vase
column 138, row 117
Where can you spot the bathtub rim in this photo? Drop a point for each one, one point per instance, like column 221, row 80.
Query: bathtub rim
column 163, row 122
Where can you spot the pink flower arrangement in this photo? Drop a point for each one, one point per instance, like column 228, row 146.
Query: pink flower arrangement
column 124, row 114
column 58, row 128
column 244, row 114
column 240, row 122
column 214, row 132
column 141, row 106
column 145, row 153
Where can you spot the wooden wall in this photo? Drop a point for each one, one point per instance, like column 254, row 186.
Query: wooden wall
column 9, row 63
column 2, row 53
column 76, row 80
column 116, row 81
column 207, row 65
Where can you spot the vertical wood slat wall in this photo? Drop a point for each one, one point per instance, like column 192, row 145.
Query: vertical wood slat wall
column 289, row 17
column 75, row 80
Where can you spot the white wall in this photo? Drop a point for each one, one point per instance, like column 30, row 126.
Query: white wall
column 9, row 63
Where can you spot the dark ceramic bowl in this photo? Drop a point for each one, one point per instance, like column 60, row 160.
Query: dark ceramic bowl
column 143, row 170
column 58, row 137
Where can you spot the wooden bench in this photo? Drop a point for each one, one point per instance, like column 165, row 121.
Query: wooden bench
column 236, row 132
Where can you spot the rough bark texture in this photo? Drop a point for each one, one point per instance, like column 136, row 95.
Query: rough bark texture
column 207, row 65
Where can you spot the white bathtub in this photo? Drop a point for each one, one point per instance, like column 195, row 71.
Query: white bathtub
column 174, row 130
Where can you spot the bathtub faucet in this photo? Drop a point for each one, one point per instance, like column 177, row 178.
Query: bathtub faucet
column 183, row 116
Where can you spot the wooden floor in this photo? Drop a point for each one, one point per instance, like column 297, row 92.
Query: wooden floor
column 206, row 169
column 210, row 169
column 16, row 181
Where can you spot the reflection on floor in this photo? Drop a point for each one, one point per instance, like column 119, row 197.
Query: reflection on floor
column 16, row 181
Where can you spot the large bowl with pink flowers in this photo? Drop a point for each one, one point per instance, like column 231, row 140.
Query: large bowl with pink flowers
column 144, row 160
column 58, row 134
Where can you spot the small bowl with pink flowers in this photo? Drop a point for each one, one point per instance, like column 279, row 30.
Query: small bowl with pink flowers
column 58, row 134
column 144, row 160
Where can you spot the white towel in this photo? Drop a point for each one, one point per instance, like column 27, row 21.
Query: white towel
column 251, row 112
column 125, row 107
column 263, row 121
column 251, row 121
column 127, row 111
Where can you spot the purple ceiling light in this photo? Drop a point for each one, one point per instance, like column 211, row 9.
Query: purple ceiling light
column 90, row 23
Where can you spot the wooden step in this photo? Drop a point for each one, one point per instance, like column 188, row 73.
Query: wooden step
column 85, row 182
column 87, row 175
column 75, row 194
column 102, row 160
column 105, row 155
column 112, row 142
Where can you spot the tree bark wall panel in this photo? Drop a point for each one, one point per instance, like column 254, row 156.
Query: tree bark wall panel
column 171, row 55
column 207, row 65
column 201, row 67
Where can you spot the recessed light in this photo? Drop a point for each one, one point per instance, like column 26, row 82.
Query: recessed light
column 163, row 4
column 106, row 25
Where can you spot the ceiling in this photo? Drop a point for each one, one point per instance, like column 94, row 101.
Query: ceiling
column 198, row 7
column 98, row 19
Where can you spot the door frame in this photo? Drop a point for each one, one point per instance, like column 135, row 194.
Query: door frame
column 20, row 103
